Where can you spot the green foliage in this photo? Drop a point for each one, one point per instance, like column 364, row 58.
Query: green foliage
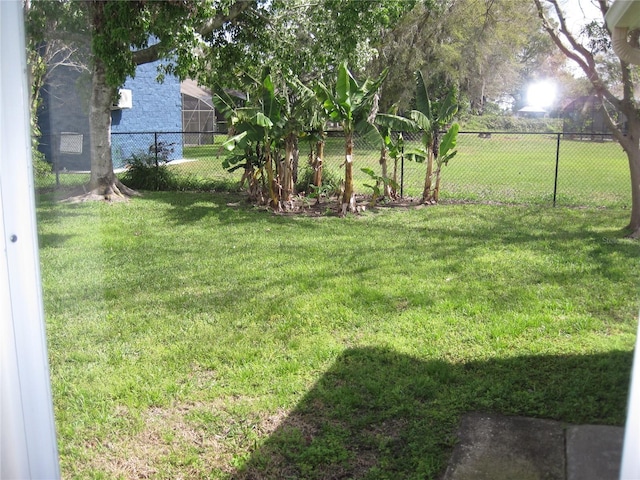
column 510, row 123
column 41, row 168
column 149, row 171
column 447, row 145
column 377, row 189
column 350, row 103
column 466, row 44
column 324, row 34
column 331, row 183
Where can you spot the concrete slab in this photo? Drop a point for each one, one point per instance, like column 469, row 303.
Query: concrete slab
column 594, row 452
column 498, row 447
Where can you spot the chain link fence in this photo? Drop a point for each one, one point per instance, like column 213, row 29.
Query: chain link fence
column 532, row 168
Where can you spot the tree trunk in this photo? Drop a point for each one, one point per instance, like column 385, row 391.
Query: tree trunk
column 383, row 165
column 317, row 164
column 274, row 197
column 634, row 167
column 103, row 185
column 436, row 190
column 631, row 145
column 287, row 170
column 394, row 192
column 426, row 193
column 348, row 197
column 296, row 161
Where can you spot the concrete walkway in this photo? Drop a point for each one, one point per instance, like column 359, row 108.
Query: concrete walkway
column 497, row 447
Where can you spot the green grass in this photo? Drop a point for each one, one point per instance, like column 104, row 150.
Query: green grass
column 194, row 336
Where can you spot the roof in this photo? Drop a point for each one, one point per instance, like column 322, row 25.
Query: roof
column 191, row 88
column 530, row 109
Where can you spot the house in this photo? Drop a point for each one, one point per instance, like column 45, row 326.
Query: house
column 584, row 116
column 532, row 112
column 145, row 107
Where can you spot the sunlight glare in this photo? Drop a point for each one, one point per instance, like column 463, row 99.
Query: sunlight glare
column 541, row 94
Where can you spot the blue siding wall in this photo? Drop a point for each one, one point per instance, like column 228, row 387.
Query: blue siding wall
column 64, row 109
column 157, row 107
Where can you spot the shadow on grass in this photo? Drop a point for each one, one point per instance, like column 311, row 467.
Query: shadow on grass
column 380, row 414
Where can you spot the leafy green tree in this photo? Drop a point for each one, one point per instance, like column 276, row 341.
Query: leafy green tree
column 126, row 34
column 477, row 46
column 432, row 118
column 354, row 106
column 614, row 88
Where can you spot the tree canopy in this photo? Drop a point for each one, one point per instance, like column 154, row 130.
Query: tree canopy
column 484, row 48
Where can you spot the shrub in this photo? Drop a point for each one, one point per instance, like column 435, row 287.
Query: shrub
column 330, row 182
column 143, row 173
column 509, row 123
column 41, row 168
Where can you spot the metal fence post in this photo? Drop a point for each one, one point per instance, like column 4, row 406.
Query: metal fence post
column 402, row 172
column 155, row 147
column 555, row 177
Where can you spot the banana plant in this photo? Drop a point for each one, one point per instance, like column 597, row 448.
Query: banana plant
column 245, row 146
column 432, row 118
column 297, row 102
column 274, row 122
column 392, row 145
column 354, row 106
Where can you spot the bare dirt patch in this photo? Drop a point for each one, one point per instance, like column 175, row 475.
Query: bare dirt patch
column 185, row 440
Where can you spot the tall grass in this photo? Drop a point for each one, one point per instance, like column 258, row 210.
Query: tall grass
column 193, row 336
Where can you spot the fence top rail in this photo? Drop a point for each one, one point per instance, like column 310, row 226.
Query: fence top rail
column 334, row 132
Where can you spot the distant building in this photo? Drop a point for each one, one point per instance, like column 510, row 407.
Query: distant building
column 145, row 106
column 532, row 112
column 584, row 116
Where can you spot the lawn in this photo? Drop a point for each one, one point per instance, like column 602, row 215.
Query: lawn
column 194, row 336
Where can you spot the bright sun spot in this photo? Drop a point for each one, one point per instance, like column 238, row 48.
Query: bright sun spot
column 541, row 94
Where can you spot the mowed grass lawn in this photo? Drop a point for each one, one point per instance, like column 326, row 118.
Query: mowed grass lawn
column 194, row 336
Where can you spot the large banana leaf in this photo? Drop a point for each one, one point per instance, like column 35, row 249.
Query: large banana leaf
column 449, row 140
column 421, row 120
column 396, row 122
column 237, row 141
column 329, row 103
column 224, row 102
column 369, row 133
column 423, row 104
column 272, row 108
column 346, row 88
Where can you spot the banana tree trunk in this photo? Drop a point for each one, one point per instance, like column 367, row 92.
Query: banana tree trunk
column 426, row 193
column 317, row 164
column 383, row 164
column 436, row 189
column 295, row 162
column 348, row 197
column 287, row 168
column 274, row 197
column 394, row 192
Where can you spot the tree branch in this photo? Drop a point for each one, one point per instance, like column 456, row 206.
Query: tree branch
column 576, row 52
column 152, row 53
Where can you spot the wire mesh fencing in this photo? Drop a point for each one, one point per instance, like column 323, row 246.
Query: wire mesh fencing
column 547, row 169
